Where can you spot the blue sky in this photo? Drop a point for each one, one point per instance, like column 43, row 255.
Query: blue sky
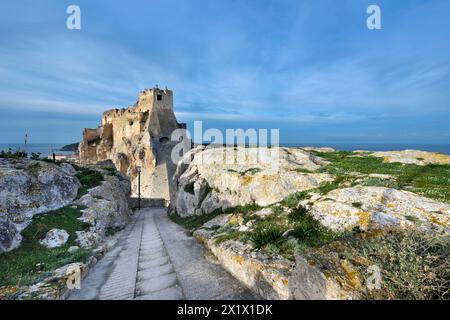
column 310, row 68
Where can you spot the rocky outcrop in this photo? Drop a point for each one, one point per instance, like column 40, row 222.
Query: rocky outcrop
column 106, row 209
column 413, row 157
column 266, row 275
column 27, row 188
column 133, row 137
column 205, row 180
column 375, row 208
column 367, row 231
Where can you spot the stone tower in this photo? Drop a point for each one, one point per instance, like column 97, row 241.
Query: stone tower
column 138, row 136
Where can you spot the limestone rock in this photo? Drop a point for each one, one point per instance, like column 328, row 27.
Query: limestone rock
column 67, row 168
column 262, row 176
column 106, row 207
column 267, row 276
column 413, row 157
column 264, row 212
column 88, row 239
column 218, row 221
column 319, row 149
column 379, row 208
column 9, row 234
column 55, row 238
column 29, row 187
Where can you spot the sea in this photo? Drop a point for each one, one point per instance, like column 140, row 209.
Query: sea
column 47, row 149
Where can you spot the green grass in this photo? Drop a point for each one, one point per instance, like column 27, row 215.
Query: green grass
column 32, row 261
column 233, row 235
column 293, row 199
column 110, row 170
column 251, row 171
column 17, row 154
column 430, row 180
column 194, row 222
column 377, row 182
column 263, row 236
column 311, row 233
column 89, row 179
column 297, row 213
column 302, row 170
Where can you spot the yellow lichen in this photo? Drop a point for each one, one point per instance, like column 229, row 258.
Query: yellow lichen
column 351, row 280
column 246, row 180
column 364, row 219
column 238, row 259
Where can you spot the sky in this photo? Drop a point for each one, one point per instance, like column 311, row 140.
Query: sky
column 311, row 69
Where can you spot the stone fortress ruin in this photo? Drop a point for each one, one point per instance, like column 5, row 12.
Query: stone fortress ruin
column 137, row 137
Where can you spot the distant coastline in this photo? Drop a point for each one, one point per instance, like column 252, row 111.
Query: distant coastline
column 47, row 149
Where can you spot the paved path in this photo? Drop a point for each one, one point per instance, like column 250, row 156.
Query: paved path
column 155, row 259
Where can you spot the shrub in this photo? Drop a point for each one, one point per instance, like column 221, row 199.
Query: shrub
column 266, row 235
column 310, row 232
column 18, row 154
column 35, row 156
column 413, row 265
column 292, row 200
column 297, row 213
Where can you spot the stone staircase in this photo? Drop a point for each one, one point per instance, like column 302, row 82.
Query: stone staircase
column 156, row 277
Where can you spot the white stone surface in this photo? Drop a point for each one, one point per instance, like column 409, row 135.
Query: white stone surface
column 55, row 238
column 210, row 181
column 380, row 208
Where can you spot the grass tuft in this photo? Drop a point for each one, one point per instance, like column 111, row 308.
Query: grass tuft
column 266, row 235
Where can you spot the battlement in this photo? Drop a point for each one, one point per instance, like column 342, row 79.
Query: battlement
column 155, row 98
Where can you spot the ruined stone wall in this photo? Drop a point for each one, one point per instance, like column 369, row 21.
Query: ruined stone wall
column 131, row 137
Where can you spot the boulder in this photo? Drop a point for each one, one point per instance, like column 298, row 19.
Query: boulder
column 206, row 178
column 29, row 187
column 373, row 208
column 67, row 168
column 55, row 238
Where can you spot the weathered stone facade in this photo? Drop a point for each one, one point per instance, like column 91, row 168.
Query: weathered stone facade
column 133, row 137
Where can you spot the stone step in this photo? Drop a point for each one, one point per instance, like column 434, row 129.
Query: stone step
column 152, row 257
column 149, row 252
column 156, row 284
column 154, row 263
column 150, row 273
column 172, row 293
